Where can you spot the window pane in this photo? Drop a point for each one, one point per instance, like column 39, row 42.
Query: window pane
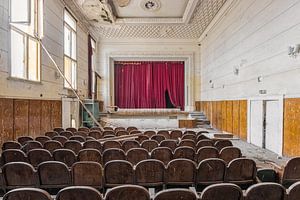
column 68, row 71
column 74, row 75
column 67, row 38
column 74, row 45
column 70, row 20
column 18, row 68
column 20, row 11
column 33, row 60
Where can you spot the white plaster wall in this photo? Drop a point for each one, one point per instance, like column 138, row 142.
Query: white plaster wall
column 174, row 48
column 253, row 36
column 49, row 87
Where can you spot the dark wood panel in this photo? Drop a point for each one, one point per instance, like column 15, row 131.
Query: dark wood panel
column 229, row 126
column 35, row 118
column 243, row 119
column 291, row 127
column 56, row 114
column 219, row 115
column 6, row 120
column 236, row 118
column 224, row 117
column 21, row 118
column 214, row 114
column 46, row 116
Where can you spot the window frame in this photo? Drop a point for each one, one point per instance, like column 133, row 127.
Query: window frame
column 66, row 25
column 38, row 16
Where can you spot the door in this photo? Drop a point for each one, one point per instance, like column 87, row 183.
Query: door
column 256, row 122
column 273, row 135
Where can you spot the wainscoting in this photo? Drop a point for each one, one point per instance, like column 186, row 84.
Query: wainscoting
column 28, row 117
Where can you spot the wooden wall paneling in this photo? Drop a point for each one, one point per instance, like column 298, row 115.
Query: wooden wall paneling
column 214, row 114
column 229, row 116
column 219, row 115
column 6, row 120
column 224, row 112
column 46, row 116
column 21, row 117
column 56, row 114
column 236, row 118
column 243, row 119
column 291, row 127
column 35, row 118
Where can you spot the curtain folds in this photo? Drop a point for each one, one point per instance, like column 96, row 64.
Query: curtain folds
column 145, row 84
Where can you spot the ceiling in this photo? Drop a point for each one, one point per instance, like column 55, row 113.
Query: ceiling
column 170, row 19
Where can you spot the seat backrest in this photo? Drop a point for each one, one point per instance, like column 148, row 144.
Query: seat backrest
column 175, row 134
column 73, row 130
column 58, row 129
column 172, row 144
column 120, row 129
column 135, row 132
column 111, row 144
column 222, row 191
column 189, row 132
column 230, row 153
column 265, row 191
column 118, row 172
column 201, row 137
column 37, row 156
column 96, row 128
column 90, row 155
column 175, row 194
column 67, row 134
column 54, row 174
column 27, row 193
column 78, row 138
column 150, row 173
column 206, row 152
column 222, row 143
column 293, row 191
column 149, row 145
column 142, row 138
column 241, row 171
column 108, row 132
column 32, row 145
column 210, row 171
column 180, row 172
column 131, row 128
column 66, row 156
column 87, row 174
column 187, row 143
column 127, row 192
column 129, row 144
column 136, row 155
column 113, row 154
column 108, row 128
column 42, row 139
column 121, row 132
column 24, row 139
column 73, row 145
column 83, row 134
column 291, row 172
column 184, row 152
column 92, row 144
column 52, row 145
column 51, row 134
column 95, row 134
column 163, row 154
column 189, row 137
column 14, row 155
column 79, row 193
column 11, row 145
column 158, row 138
column 149, row 133
column 61, row 139
column 204, row 143
column 164, row 133
column 84, row 129
column 19, row 174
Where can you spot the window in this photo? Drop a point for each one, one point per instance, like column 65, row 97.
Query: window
column 26, row 24
column 70, row 57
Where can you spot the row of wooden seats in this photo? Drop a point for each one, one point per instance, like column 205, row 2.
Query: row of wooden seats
column 133, row 155
column 148, row 173
column 223, row 191
column 95, row 128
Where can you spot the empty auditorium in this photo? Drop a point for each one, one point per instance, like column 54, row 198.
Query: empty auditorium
column 149, row 99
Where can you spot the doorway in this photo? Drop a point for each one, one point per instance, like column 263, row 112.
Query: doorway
column 266, row 124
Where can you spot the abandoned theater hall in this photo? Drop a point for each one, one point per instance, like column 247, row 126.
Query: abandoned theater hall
column 149, row 100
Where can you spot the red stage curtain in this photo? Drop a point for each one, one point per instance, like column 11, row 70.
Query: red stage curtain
column 144, row 84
